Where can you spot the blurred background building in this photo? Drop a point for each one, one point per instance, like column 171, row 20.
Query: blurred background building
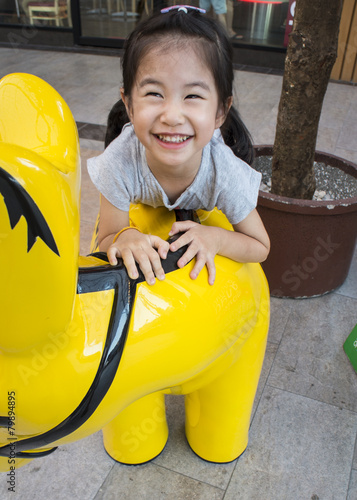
column 259, row 28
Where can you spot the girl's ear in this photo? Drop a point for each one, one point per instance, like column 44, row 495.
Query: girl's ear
column 125, row 100
column 223, row 112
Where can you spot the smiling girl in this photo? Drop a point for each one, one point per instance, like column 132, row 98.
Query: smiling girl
column 184, row 146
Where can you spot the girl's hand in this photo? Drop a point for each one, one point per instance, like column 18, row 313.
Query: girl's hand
column 135, row 247
column 249, row 242
column 203, row 243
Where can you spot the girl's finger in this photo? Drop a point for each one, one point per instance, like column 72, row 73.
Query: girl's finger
column 161, row 245
column 190, row 253
column 155, row 262
column 183, row 240
column 143, row 259
column 129, row 263
column 181, row 226
column 112, row 255
column 211, row 268
column 199, row 265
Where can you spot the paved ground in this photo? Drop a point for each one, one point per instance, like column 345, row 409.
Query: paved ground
column 304, row 425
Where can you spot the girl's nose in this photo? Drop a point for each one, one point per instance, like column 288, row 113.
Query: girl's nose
column 172, row 114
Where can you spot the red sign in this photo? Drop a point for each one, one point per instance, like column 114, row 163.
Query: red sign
column 289, row 21
column 262, row 1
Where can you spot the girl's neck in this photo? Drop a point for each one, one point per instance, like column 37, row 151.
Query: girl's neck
column 174, row 187
column 174, row 180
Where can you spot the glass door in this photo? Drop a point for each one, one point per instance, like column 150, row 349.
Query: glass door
column 39, row 13
column 107, row 23
column 113, row 20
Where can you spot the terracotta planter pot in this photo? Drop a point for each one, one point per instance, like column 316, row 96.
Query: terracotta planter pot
column 312, row 242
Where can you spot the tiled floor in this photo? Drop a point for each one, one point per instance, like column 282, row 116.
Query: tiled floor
column 304, row 426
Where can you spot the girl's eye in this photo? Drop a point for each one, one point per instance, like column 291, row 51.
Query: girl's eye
column 193, row 96
column 154, row 94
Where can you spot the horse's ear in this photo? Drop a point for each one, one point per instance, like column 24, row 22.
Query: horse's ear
column 35, row 117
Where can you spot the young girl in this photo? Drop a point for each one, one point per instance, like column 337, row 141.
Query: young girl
column 177, row 102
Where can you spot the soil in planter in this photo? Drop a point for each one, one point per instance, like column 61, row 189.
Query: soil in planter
column 331, row 183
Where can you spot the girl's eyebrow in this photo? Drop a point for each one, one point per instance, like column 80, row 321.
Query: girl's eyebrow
column 148, row 81
column 152, row 81
column 200, row 83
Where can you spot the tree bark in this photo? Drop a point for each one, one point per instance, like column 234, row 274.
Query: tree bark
column 311, row 54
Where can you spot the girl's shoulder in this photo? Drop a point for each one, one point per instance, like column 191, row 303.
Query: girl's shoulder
column 223, row 157
column 230, row 172
column 124, row 149
column 121, row 154
column 126, row 138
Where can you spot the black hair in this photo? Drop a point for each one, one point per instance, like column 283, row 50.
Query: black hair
column 117, row 118
column 173, row 29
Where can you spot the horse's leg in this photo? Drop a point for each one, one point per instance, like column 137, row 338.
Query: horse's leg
column 218, row 415
column 139, row 433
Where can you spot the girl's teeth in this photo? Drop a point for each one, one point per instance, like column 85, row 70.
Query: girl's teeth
column 176, row 139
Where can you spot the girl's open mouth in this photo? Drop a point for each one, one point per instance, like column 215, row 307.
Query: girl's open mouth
column 173, row 139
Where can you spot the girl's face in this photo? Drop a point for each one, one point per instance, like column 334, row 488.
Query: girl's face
column 174, row 109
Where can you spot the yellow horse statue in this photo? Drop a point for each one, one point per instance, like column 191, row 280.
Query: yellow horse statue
column 83, row 347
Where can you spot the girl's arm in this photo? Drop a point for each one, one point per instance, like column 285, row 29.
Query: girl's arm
column 131, row 245
column 249, row 242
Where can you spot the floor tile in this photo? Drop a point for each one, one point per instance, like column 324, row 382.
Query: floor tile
column 76, row 77
column 264, row 133
column 86, row 238
column 352, row 492
column 245, row 82
column 327, row 139
column 149, row 482
column 98, row 111
column 95, row 147
column 347, row 137
column 310, row 360
column 349, row 154
column 298, row 449
column 349, row 287
column 74, row 471
column 269, row 358
column 89, row 203
column 279, row 314
column 337, row 102
column 90, row 195
column 335, row 111
column 352, row 112
column 90, row 131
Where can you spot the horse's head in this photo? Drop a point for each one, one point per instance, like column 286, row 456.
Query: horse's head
column 39, row 217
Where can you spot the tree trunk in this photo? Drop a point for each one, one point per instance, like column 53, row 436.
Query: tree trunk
column 311, row 54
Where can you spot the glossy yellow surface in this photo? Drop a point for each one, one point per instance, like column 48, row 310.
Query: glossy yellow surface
column 185, row 337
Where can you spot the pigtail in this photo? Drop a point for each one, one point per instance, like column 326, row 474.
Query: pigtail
column 117, row 118
column 237, row 136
